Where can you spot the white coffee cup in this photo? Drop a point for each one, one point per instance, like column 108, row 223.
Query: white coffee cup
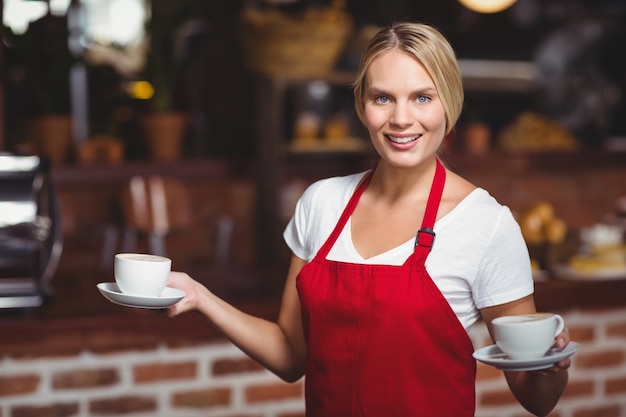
column 141, row 274
column 527, row 336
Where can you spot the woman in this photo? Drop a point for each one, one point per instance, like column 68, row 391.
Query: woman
column 374, row 314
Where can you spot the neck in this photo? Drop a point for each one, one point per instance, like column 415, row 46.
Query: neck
column 394, row 183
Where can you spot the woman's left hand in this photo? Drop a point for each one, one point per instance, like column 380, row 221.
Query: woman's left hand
column 561, row 341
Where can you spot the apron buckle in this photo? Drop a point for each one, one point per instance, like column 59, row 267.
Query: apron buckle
column 425, row 237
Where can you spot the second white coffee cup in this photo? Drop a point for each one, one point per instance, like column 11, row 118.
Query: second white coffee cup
column 527, row 336
column 141, row 274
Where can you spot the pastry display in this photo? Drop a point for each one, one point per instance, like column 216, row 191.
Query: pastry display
column 311, row 135
column 600, row 262
column 540, row 226
column 307, row 127
column 530, row 132
column 603, row 250
column 545, row 234
column 336, row 129
column 602, row 236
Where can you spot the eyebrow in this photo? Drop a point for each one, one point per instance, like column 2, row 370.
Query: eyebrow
column 419, row 91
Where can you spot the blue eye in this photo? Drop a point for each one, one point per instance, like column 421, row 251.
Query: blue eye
column 423, row 99
column 382, row 99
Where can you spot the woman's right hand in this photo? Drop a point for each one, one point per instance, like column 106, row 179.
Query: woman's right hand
column 193, row 293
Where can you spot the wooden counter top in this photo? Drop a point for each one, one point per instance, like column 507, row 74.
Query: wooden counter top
column 100, row 326
column 560, row 294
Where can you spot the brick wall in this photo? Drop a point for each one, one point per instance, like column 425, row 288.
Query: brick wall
column 217, row 380
column 597, row 383
column 207, row 380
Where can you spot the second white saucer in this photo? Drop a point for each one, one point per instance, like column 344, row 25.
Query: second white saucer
column 492, row 355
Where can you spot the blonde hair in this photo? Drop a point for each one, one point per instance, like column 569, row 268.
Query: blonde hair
column 431, row 49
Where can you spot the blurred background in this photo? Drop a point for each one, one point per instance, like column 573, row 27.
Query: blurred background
column 193, row 55
column 190, row 129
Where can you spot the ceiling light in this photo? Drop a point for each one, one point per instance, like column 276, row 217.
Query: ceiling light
column 487, row 6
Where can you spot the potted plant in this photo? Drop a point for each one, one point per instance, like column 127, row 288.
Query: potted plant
column 165, row 123
column 42, row 57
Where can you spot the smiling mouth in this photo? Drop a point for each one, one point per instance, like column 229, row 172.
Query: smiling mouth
column 404, row 140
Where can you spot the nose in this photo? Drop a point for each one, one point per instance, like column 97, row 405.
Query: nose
column 401, row 115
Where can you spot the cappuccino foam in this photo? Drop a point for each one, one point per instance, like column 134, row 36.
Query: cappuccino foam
column 143, row 257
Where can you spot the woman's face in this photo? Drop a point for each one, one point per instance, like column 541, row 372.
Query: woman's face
column 402, row 110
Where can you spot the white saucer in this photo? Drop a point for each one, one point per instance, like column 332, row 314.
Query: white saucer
column 492, row 355
column 168, row 297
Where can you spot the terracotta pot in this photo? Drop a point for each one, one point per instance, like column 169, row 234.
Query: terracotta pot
column 53, row 137
column 477, row 138
column 101, row 149
column 164, row 134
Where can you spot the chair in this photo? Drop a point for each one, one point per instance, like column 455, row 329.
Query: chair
column 154, row 206
column 151, row 206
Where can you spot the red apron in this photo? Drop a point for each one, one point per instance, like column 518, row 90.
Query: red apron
column 382, row 340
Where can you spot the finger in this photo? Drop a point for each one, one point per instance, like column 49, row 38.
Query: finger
column 564, row 364
column 171, row 312
column 562, row 339
column 558, row 367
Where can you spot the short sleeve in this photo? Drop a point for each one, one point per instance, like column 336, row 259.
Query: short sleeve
column 504, row 272
column 296, row 231
column 317, row 212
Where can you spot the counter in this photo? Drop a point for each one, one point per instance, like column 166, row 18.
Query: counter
column 94, row 324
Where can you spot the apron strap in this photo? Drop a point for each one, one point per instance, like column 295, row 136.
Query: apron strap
column 425, row 238
column 347, row 212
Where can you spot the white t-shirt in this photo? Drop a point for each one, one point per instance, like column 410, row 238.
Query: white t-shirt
column 479, row 258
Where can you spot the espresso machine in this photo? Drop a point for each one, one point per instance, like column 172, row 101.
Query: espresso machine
column 30, row 231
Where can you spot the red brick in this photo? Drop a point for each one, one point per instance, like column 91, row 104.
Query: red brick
column 47, row 346
column 606, row 411
column 203, row 398
column 235, row 366
column 243, row 415
column 54, row 410
column 85, row 378
column 616, row 385
column 525, row 414
column 495, row 398
column 123, row 405
column 302, row 414
column 582, row 333
column 618, row 330
column 273, row 392
column 18, row 384
column 484, row 372
column 578, row 389
column 160, row 372
column 115, row 345
column 600, row 359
